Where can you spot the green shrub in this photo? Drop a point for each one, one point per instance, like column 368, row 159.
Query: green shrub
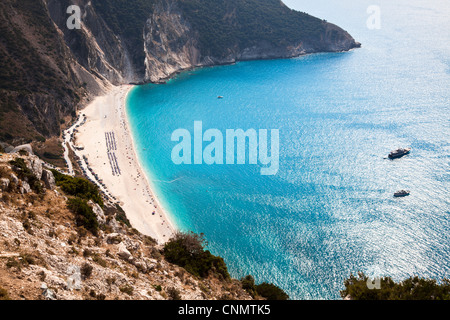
column 99, row 260
column 187, row 251
column 173, row 294
column 86, row 270
column 13, row 263
column 158, row 288
column 51, row 156
column 413, row 288
column 78, row 187
column 271, row 292
column 4, row 294
column 40, row 139
column 85, row 216
column 248, row 284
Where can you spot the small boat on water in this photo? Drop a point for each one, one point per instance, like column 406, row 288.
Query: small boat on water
column 399, row 153
column 402, row 193
column 219, row 97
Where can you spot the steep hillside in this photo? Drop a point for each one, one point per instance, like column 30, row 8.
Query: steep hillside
column 54, row 247
column 49, row 71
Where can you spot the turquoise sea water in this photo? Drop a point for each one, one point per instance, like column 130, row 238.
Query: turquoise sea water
column 330, row 210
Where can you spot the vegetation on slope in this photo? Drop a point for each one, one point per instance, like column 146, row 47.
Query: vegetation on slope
column 125, row 17
column 223, row 26
column 266, row 290
column 34, row 72
column 187, row 250
column 85, row 216
column 83, row 191
column 4, row 294
column 246, row 22
column 413, row 288
column 78, row 187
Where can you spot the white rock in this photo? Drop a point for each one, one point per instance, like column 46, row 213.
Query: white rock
column 113, row 238
column 123, row 252
column 101, row 218
column 141, row 265
column 25, row 188
column 36, row 167
column 14, row 178
column 48, row 179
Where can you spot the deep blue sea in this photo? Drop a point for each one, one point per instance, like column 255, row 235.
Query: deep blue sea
column 330, row 210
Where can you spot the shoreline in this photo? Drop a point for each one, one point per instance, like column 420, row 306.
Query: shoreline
column 107, row 150
column 174, row 74
column 146, row 214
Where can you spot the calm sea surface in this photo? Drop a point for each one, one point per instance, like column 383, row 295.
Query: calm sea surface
column 330, row 210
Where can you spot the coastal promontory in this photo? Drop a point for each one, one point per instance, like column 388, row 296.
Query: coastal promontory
column 50, row 71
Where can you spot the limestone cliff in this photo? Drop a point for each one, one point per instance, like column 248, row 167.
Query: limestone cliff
column 50, row 71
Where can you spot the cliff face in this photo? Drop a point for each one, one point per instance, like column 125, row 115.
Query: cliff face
column 173, row 43
column 48, row 71
column 170, row 43
column 95, row 47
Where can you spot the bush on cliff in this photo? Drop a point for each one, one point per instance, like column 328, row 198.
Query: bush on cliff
column 4, row 294
column 78, row 187
column 265, row 290
column 271, row 292
column 85, row 216
column 187, row 250
column 413, row 288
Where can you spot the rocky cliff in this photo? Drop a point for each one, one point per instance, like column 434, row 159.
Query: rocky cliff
column 46, row 255
column 50, row 71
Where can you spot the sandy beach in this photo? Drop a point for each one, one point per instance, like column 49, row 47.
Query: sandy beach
column 109, row 151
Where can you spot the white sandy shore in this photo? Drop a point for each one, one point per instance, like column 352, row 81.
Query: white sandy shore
column 131, row 187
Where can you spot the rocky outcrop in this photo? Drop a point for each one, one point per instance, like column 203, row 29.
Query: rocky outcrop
column 25, row 187
column 26, row 147
column 48, row 179
column 14, row 178
column 47, row 293
column 95, row 46
column 36, row 174
column 98, row 211
column 35, row 165
column 123, row 252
